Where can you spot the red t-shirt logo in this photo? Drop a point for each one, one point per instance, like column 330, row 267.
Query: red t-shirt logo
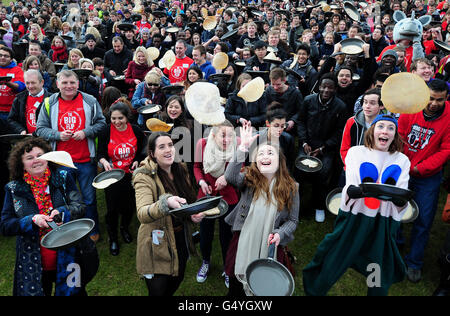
column 70, row 121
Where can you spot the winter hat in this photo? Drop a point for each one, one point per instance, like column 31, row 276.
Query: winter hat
column 89, row 37
column 390, row 52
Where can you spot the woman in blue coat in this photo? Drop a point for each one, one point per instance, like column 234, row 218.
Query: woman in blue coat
column 35, row 195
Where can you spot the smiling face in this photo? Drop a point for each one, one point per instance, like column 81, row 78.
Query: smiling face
column 383, row 134
column 119, row 120
column 164, row 153
column 32, row 164
column 267, row 160
column 174, row 109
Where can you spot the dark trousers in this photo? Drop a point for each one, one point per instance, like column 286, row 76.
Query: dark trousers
column 319, row 180
column 167, row 285
column 207, row 235
column 120, row 201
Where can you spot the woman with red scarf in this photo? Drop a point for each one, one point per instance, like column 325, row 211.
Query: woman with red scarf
column 37, row 193
column 58, row 51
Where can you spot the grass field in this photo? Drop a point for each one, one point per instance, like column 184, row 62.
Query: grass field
column 117, row 275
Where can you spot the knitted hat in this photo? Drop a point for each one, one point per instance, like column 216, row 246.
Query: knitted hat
column 385, row 117
column 89, row 37
column 390, row 52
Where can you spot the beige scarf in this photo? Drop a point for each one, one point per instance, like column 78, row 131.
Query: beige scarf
column 258, row 225
column 214, row 158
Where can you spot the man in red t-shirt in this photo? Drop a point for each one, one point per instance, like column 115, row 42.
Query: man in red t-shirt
column 178, row 72
column 427, row 145
column 22, row 117
column 9, row 87
column 71, row 120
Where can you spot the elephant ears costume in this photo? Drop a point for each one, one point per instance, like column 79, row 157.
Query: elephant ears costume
column 410, row 29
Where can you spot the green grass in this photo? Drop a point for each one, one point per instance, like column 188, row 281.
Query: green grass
column 117, row 275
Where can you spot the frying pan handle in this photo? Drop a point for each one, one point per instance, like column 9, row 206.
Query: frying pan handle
column 271, row 251
column 56, row 219
column 52, row 224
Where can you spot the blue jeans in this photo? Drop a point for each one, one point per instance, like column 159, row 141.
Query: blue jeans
column 85, row 174
column 426, row 196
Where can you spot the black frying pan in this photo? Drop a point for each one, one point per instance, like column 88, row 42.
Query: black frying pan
column 68, row 234
column 197, row 207
column 267, row 277
column 223, row 207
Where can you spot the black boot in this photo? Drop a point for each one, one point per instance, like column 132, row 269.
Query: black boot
column 126, row 235
column 113, row 248
column 444, row 284
column 113, row 241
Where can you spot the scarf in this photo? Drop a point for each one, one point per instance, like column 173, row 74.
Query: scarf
column 59, row 53
column 257, row 227
column 41, row 195
column 214, row 158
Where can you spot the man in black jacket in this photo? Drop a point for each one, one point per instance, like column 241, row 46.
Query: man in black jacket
column 290, row 97
column 23, row 114
column 321, row 120
column 90, row 49
column 117, row 58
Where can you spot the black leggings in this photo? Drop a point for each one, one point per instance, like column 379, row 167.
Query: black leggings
column 120, row 200
column 207, row 235
column 166, row 285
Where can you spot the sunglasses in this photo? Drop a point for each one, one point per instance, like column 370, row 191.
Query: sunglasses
column 153, row 84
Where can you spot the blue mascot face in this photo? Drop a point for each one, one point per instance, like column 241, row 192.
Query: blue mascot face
column 409, row 28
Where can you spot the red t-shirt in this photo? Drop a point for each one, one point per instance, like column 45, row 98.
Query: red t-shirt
column 122, row 147
column 30, row 112
column 71, row 117
column 178, row 72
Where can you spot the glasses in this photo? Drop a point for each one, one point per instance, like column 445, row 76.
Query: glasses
column 4, row 56
column 153, row 84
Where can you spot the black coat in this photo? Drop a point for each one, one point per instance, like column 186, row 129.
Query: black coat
column 118, row 62
column 291, row 100
column 16, row 118
column 236, row 108
column 321, row 125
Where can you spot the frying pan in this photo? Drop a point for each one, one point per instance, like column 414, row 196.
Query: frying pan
column 412, row 210
column 334, row 194
column 267, row 277
column 68, row 234
column 385, row 192
column 116, row 174
column 12, row 138
column 305, row 168
column 197, row 207
column 223, row 207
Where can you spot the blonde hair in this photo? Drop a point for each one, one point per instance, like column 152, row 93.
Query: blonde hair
column 143, row 50
column 152, row 77
column 92, row 30
column 74, row 51
column 66, row 24
column 40, row 36
column 58, row 22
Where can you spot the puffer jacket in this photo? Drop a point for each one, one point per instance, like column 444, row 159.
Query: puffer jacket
column 151, row 205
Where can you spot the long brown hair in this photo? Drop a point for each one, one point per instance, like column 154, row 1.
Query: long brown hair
column 284, row 187
column 181, row 184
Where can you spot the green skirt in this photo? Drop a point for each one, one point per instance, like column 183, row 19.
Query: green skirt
column 357, row 242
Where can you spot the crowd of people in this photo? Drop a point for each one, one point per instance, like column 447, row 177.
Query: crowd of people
column 76, row 76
